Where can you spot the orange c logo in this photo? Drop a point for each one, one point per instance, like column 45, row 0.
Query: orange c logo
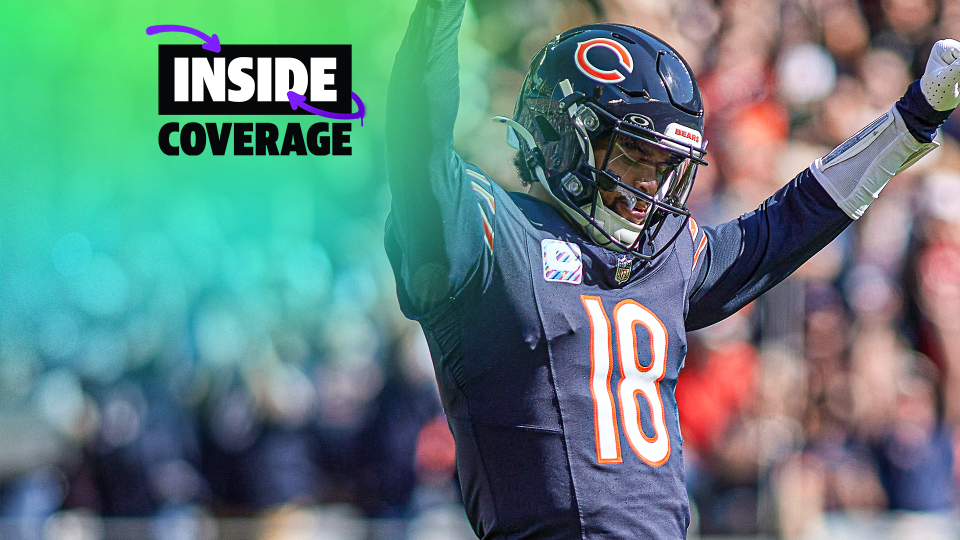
column 604, row 76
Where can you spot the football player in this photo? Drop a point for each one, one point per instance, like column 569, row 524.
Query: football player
column 556, row 318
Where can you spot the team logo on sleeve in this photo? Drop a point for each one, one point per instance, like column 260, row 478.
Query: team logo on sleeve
column 561, row 261
column 604, row 75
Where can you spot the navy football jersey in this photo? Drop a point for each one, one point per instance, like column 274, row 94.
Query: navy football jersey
column 556, row 359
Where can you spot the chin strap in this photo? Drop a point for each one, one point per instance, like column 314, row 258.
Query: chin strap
column 620, row 229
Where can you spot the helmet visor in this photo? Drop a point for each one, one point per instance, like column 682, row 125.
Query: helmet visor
column 637, row 178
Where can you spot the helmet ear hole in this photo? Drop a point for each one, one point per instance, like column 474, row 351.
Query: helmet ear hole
column 549, row 133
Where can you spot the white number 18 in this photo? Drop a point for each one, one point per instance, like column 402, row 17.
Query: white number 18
column 634, row 379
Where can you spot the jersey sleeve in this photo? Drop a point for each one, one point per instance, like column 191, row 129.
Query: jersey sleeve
column 439, row 228
column 746, row 257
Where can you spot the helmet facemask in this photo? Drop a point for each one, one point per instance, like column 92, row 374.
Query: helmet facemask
column 666, row 183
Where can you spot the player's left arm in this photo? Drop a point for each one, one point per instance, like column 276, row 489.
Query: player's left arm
column 746, row 257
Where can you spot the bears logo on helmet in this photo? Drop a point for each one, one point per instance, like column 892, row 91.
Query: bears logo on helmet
column 603, row 75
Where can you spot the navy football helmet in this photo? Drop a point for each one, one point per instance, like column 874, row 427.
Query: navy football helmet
column 623, row 87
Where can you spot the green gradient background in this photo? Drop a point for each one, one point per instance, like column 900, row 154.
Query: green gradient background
column 79, row 154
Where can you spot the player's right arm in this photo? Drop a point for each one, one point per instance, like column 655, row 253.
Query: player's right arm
column 748, row 256
column 435, row 233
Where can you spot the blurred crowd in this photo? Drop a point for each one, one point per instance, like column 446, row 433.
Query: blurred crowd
column 163, row 372
column 200, row 352
column 185, row 368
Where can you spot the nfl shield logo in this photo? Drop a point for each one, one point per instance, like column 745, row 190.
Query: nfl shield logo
column 624, row 267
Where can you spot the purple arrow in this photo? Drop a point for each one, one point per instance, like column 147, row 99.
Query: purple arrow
column 297, row 100
column 211, row 42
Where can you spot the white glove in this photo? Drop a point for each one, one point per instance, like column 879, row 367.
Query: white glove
column 940, row 79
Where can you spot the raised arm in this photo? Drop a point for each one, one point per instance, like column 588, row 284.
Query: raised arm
column 435, row 234
column 748, row 256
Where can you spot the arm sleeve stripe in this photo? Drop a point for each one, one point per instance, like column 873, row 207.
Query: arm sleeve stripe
column 700, row 248
column 485, row 196
column 483, row 180
column 487, row 229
